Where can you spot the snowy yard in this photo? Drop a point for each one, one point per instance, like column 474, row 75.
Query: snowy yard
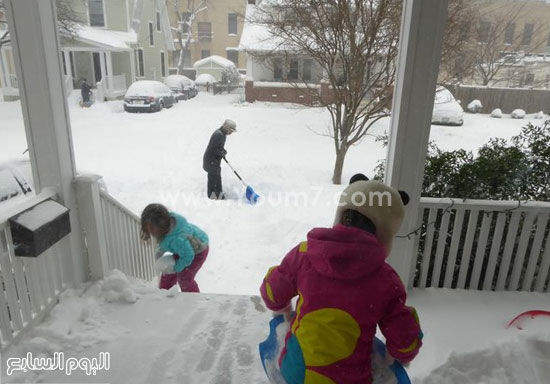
column 281, row 152
column 278, row 149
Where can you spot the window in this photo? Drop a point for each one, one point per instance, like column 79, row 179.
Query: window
column 141, row 67
column 205, row 53
column 527, row 34
column 509, row 33
column 548, row 40
column 233, row 56
column 158, row 21
column 185, row 16
column 151, row 35
column 232, row 24
column 95, row 10
column 278, row 69
column 253, row 2
column 483, row 32
column 293, row 69
column 205, row 31
column 308, row 64
column 529, row 79
column 162, row 65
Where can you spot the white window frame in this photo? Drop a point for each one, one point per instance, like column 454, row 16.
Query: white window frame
column 104, row 15
column 151, row 33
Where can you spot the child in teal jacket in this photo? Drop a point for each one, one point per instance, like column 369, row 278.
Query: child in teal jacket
column 174, row 234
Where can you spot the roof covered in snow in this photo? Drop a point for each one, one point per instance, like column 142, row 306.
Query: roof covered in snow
column 217, row 60
column 108, row 39
column 256, row 36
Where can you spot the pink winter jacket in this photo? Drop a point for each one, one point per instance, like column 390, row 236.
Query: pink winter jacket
column 345, row 289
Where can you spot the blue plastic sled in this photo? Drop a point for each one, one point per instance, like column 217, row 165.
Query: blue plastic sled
column 270, row 351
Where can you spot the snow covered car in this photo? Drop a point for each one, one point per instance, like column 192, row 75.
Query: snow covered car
column 447, row 111
column 16, row 181
column 148, row 96
column 183, row 87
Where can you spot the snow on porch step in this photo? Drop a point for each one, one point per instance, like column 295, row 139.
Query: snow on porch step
column 160, row 338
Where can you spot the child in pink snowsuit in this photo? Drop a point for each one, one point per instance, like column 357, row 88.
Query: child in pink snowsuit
column 345, row 289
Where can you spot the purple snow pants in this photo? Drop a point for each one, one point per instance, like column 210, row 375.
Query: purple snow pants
column 185, row 278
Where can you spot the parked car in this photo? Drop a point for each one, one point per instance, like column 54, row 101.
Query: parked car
column 447, row 111
column 16, row 181
column 148, row 96
column 183, row 87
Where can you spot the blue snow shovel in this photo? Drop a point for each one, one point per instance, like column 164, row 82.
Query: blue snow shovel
column 251, row 196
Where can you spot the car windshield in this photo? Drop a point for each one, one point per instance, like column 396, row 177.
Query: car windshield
column 443, row 96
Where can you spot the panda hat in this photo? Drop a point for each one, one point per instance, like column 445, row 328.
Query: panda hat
column 381, row 204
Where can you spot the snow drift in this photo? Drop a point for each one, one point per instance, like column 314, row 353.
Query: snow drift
column 526, row 361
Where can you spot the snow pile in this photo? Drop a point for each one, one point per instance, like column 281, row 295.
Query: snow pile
column 497, row 113
column 205, row 78
column 165, row 264
column 518, row 114
column 539, row 115
column 41, row 214
column 116, row 287
column 111, row 38
column 475, row 106
column 147, row 88
column 526, row 361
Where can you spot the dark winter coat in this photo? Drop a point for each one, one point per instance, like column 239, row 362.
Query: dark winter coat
column 215, row 152
column 85, row 91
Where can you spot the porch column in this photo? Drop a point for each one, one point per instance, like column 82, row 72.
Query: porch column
column 36, row 47
column 422, row 29
column 132, row 57
column 67, row 58
column 102, row 66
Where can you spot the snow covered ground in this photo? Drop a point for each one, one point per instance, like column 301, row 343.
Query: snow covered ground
column 278, row 149
column 156, row 336
column 281, row 152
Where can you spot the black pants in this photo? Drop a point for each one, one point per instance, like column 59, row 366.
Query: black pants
column 215, row 186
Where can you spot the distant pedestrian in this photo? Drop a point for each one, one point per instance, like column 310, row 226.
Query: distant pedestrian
column 207, row 86
column 213, row 156
column 85, row 91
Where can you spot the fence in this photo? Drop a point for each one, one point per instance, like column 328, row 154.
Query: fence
column 30, row 286
column 312, row 94
column 507, row 99
column 112, row 233
column 485, row 245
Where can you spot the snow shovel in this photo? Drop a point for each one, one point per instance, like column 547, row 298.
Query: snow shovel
column 251, row 196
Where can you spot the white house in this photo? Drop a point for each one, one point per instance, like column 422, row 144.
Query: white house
column 116, row 42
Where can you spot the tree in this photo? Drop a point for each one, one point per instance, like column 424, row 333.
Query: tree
column 354, row 43
column 184, row 29
column 494, row 44
column 67, row 20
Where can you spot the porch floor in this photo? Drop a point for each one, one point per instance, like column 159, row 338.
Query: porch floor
column 161, row 337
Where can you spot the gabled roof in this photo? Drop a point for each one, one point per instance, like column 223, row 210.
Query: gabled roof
column 218, row 60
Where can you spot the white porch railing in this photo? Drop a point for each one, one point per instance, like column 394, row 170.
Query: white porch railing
column 112, row 234
column 29, row 287
column 10, row 84
column 486, row 245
